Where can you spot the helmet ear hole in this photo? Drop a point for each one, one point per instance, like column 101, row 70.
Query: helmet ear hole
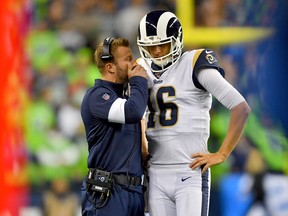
column 156, row 28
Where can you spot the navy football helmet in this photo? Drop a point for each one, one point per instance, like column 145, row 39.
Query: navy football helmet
column 157, row 28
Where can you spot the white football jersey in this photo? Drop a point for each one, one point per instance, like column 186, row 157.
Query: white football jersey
column 178, row 119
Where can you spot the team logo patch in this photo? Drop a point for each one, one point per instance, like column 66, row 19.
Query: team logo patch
column 211, row 59
column 106, row 96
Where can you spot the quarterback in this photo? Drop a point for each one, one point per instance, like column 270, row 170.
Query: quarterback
column 181, row 86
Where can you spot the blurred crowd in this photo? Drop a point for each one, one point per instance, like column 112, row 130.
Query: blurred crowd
column 60, row 47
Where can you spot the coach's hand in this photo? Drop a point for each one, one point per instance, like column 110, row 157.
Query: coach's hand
column 206, row 160
column 136, row 70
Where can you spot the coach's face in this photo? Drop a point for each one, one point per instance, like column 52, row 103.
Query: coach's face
column 122, row 58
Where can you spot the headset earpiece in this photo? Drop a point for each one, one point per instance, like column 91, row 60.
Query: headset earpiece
column 106, row 53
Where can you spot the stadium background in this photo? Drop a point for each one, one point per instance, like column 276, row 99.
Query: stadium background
column 47, row 64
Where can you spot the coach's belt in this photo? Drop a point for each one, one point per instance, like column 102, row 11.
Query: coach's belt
column 102, row 178
column 127, row 180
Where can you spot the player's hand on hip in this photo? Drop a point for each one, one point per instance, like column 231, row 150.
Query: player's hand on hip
column 136, row 70
column 205, row 161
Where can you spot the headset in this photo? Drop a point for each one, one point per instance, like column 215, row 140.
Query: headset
column 106, row 53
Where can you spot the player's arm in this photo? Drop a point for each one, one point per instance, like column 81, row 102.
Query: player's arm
column 144, row 139
column 145, row 152
column 214, row 83
column 239, row 115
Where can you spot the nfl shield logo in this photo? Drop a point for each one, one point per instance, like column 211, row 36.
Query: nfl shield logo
column 105, row 96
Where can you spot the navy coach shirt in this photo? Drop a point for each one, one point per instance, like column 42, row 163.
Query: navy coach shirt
column 114, row 143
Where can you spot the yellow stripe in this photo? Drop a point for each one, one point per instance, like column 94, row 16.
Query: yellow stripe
column 211, row 36
column 195, row 58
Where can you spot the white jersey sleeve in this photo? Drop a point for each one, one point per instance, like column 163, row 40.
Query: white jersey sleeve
column 221, row 89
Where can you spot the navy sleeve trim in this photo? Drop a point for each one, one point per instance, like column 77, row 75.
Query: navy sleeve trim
column 206, row 59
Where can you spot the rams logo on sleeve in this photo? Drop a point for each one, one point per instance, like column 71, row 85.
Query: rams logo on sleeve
column 211, row 59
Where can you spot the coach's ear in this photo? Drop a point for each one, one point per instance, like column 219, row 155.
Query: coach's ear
column 110, row 68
